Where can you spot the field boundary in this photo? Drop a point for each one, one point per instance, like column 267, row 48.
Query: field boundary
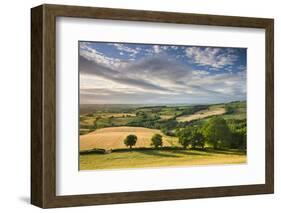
column 165, row 148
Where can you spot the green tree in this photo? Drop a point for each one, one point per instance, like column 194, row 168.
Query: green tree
column 156, row 140
column 130, row 140
column 185, row 136
column 197, row 138
column 229, row 109
column 217, row 133
column 191, row 135
column 238, row 129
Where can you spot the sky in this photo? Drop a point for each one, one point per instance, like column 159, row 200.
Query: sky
column 123, row 73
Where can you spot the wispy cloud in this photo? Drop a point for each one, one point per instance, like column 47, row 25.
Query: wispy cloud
column 156, row 49
column 123, row 48
column 210, row 56
column 93, row 55
column 160, row 77
column 116, row 75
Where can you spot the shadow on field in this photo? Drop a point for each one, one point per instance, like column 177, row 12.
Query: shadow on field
column 173, row 152
column 225, row 152
column 157, row 153
column 191, row 152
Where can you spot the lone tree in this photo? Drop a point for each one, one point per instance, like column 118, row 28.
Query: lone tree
column 156, row 140
column 130, row 140
column 217, row 133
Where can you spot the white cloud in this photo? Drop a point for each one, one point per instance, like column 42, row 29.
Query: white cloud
column 156, row 79
column 242, row 67
column 156, row 49
column 160, row 48
column 174, row 47
column 160, row 76
column 124, row 48
column 93, row 55
column 200, row 72
column 149, row 51
column 212, row 57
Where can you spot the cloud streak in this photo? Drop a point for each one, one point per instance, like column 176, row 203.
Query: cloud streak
column 212, row 57
column 169, row 74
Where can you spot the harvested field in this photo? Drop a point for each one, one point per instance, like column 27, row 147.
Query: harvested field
column 201, row 114
column 113, row 138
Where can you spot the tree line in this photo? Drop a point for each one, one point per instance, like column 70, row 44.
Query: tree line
column 217, row 132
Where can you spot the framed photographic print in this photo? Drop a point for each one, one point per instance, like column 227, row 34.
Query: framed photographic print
column 136, row 106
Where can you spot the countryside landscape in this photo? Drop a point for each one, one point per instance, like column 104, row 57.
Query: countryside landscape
column 157, row 106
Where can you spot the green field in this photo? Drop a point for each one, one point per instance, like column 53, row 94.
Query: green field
column 159, row 158
column 104, row 128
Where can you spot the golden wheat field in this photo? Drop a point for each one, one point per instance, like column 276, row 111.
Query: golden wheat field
column 113, row 138
column 201, row 114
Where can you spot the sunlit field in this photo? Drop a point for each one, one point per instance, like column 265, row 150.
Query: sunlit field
column 161, row 105
column 159, row 158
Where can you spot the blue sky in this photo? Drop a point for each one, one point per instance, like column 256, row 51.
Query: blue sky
column 122, row 73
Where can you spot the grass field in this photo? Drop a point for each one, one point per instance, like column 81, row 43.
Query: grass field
column 113, row 138
column 159, row 158
column 103, row 129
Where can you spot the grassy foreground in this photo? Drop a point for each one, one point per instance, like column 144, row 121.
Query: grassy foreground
column 159, row 158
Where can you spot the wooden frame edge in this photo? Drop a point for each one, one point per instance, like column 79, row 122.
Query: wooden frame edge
column 269, row 119
column 43, row 174
column 36, row 106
